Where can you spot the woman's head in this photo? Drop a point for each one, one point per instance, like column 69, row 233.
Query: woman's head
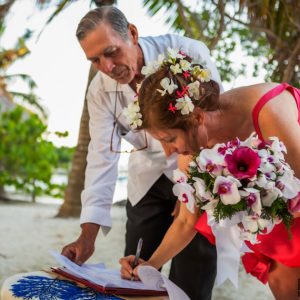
column 173, row 96
column 168, row 97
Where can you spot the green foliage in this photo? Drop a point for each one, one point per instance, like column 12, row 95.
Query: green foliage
column 65, row 155
column 268, row 31
column 223, row 211
column 27, row 160
column 279, row 209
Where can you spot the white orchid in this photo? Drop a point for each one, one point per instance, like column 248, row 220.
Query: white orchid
column 278, row 147
column 201, row 189
column 252, row 141
column 210, row 206
column 270, row 196
column 179, row 176
column 168, row 86
column 227, row 189
column 255, row 223
column 253, row 199
column 185, row 192
column 288, row 184
column 211, row 160
column 185, row 105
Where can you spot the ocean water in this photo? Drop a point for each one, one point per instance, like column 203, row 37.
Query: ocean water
column 120, row 190
column 62, row 178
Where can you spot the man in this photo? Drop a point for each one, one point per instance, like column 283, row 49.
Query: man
column 113, row 46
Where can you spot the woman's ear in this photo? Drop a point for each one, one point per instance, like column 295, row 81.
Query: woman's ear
column 133, row 33
column 198, row 115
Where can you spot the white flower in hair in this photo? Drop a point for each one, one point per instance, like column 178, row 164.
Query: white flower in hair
column 174, row 54
column 185, row 65
column 185, row 105
column 168, row 85
column 153, row 66
column 133, row 115
column 175, row 69
column 205, row 75
column 194, row 89
column 148, row 69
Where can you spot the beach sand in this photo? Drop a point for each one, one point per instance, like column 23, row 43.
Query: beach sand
column 28, row 231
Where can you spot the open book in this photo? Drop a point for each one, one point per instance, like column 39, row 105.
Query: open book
column 109, row 281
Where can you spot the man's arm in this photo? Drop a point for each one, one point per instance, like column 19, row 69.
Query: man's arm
column 100, row 176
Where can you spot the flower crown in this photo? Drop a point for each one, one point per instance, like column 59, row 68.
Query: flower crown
column 178, row 64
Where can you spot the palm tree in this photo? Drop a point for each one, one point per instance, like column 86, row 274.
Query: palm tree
column 72, row 202
column 72, row 199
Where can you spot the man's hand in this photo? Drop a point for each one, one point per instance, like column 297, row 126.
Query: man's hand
column 82, row 249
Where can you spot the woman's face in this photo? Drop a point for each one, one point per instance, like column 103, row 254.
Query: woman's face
column 177, row 140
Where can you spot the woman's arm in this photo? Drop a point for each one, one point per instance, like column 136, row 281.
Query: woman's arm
column 178, row 236
column 279, row 118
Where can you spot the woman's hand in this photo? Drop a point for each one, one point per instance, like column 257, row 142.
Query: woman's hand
column 127, row 272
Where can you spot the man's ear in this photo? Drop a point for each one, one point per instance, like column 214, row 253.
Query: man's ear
column 133, row 33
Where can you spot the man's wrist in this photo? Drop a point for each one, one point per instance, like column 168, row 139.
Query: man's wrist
column 89, row 231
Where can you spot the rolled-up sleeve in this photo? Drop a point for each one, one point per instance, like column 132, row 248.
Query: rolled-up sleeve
column 102, row 164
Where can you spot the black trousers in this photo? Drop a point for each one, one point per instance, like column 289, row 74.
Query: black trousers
column 193, row 269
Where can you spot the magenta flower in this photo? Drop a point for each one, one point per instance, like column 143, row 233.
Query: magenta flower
column 243, row 162
column 294, row 204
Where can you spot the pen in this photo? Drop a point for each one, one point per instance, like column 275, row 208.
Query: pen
column 137, row 256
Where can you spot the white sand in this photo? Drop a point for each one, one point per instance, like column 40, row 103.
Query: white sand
column 28, row 231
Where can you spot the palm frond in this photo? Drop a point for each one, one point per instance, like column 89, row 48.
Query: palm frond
column 32, row 99
column 26, row 78
column 60, row 6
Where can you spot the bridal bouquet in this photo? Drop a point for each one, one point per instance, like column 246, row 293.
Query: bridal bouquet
column 248, row 181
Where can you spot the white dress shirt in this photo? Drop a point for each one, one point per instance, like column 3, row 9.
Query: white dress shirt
column 144, row 167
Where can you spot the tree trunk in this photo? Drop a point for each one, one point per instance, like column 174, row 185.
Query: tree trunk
column 2, row 193
column 72, row 200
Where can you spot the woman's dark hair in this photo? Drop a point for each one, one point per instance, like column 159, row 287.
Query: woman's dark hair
column 155, row 107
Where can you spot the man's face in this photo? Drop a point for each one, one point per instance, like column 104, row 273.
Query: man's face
column 111, row 54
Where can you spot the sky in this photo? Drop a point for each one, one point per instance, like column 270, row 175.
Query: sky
column 58, row 64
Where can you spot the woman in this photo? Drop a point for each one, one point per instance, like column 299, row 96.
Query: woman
column 181, row 107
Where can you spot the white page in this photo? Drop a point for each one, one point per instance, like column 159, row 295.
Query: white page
column 154, row 279
column 98, row 274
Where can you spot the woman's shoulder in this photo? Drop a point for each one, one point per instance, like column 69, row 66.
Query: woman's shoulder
column 249, row 96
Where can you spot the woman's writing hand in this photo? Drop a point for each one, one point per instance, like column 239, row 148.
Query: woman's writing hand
column 128, row 271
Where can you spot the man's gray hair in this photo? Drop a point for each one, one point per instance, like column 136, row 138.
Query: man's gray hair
column 106, row 14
